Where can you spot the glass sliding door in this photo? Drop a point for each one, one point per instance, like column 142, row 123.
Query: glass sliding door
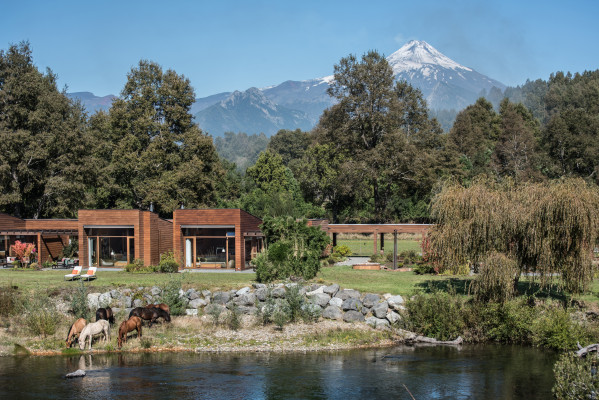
column 110, row 247
column 92, row 247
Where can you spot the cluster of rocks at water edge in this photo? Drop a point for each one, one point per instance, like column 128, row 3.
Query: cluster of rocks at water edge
column 332, row 302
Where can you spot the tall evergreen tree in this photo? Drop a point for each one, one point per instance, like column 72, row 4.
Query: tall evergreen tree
column 44, row 170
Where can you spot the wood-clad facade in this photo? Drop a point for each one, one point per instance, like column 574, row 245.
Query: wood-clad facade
column 137, row 235
column 113, row 238
column 216, row 238
column 49, row 236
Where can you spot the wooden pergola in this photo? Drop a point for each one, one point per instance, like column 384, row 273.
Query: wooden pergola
column 377, row 230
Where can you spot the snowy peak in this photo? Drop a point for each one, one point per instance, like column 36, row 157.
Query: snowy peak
column 417, row 54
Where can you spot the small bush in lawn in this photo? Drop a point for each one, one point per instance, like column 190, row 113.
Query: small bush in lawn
column 424, row 269
column 170, row 295
column 495, row 280
column 343, row 250
column 574, row 377
column 137, row 266
column 168, row 263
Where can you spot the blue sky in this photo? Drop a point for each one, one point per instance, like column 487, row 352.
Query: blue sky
column 233, row 45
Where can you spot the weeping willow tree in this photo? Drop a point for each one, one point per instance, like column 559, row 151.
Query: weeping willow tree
column 549, row 229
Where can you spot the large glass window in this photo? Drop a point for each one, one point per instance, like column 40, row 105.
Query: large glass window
column 207, row 247
column 110, row 246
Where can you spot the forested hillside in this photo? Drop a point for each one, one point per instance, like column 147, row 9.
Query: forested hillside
column 377, row 155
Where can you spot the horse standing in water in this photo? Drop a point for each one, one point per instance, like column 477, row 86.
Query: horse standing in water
column 75, row 331
column 101, row 326
column 105, row 313
column 133, row 323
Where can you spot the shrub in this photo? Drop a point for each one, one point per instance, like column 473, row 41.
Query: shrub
column 170, row 295
column 41, row 317
column 214, row 311
column 343, row 250
column 509, row 322
column 438, row 315
column 137, row 266
column 168, row 263
column 556, row 330
column 10, row 301
column 377, row 258
column 423, row 269
column 575, row 378
column 145, row 343
column 495, row 280
column 79, row 302
column 234, row 319
column 409, row 257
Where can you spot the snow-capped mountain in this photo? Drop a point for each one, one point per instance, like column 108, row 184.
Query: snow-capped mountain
column 445, row 84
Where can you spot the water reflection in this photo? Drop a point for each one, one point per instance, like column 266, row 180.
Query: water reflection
column 483, row 372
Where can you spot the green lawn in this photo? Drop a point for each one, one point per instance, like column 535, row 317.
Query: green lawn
column 108, row 279
column 365, row 247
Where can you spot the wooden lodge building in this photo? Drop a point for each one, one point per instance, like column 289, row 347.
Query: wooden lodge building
column 201, row 238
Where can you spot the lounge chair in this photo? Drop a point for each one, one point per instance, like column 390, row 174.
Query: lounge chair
column 75, row 274
column 90, row 274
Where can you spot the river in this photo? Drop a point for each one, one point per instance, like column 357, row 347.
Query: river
column 441, row 372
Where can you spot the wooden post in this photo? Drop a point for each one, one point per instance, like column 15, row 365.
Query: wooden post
column 334, row 239
column 382, row 243
column 39, row 249
column 375, row 244
column 395, row 249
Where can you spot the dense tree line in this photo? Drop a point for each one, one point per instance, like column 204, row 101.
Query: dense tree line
column 377, row 155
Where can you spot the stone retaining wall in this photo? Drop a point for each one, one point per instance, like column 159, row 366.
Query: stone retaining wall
column 331, row 302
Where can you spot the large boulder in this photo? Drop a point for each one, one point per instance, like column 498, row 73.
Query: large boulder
column 393, row 317
column 137, row 303
column 191, row 311
column 221, row 297
column 395, row 302
column 258, row 285
column 320, row 290
column 126, row 301
column 206, row 293
column 192, row 294
column 380, row 310
column 348, row 294
column 261, row 293
column 214, row 306
column 336, row 301
column 353, row 316
column 352, row 304
column 320, row 299
column 197, row 303
column 332, row 289
column 105, row 299
column 377, row 323
column 93, row 301
column 370, row 299
column 246, row 299
column 312, row 309
column 115, row 294
column 279, row 292
column 332, row 312
column 242, row 291
column 155, row 291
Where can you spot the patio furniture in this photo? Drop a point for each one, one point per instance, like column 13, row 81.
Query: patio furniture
column 90, row 274
column 75, row 274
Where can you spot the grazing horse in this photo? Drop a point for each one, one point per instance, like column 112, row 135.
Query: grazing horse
column 150, row 314
column 75, row 330
column 128, row 326
column 91, row 329
column 105, row 313
column 162, row 306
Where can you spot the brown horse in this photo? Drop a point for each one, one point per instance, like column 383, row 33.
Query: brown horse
column 128, row 326
column 150, row 314
column 105, row 313
column 75, row 330
column 162, row 306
